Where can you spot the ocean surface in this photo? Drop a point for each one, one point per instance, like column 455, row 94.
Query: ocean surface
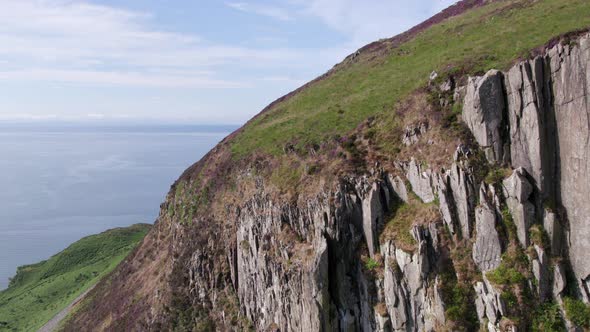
column 59, row 183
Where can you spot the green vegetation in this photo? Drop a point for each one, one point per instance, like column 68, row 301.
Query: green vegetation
column 577, row 312
column 510, row 271
column 509, row 224
column 539, row 236
column 371, row 264
column 40, row 291
column 496, row 175
column 371, row 84
column 458, row 296
column 548, row 318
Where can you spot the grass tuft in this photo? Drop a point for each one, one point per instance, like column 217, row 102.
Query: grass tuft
column 577, row 312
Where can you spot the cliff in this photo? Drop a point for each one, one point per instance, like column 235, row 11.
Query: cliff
column 464, row 205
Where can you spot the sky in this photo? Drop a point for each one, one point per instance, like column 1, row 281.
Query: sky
column 178, row 61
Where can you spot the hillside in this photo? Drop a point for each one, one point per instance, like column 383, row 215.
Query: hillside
column 39, row 291
column 433, row 181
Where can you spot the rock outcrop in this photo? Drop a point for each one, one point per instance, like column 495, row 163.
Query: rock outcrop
column 487, row 249
column 483, row 112
column 517, row 191
column 569, row 70
column 516, row 118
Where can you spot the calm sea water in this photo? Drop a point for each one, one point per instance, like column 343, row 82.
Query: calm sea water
column 60, row 183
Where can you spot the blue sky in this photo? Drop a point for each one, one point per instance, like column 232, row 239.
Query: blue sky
column 186, row 61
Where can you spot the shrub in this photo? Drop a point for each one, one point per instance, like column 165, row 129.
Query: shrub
column 539, row 236
column 496, row 175
column 509, row 223
column 505, row 275
column 371, row 264
column 548, row 318
column 458, row 298
column 577, row 312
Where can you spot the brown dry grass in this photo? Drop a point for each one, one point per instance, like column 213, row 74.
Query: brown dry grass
column 408, row 215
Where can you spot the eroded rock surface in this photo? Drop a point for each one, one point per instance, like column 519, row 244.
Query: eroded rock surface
column 483, row 112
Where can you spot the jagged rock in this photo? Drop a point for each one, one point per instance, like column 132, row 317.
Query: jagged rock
column 412, row 303
column 487, row 249
column 433, row 75
column 559, row 280
column 541, row 273
column 483, row 110
column 526, row 111
column 570, row 76
column 463, row 192
column 489, row 303
column 517, row 191
column 383, row 323
column 421, row 181
column 261, row 288
column 412, row 133
column 372, row 217
column 462, row 151
column 399, row 187
column 446, row 202
column 459, row 94
column 553, row 229
column 447, row 85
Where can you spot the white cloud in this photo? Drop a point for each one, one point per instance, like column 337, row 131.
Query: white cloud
column 262, row 10
column 117, row 78
column 74, row 41
column 368, row 20
column 80, row 43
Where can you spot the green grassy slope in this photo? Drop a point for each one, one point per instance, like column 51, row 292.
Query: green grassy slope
column 40, row 291
column 492, row 36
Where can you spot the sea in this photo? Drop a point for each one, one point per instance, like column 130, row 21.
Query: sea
column 61, row 182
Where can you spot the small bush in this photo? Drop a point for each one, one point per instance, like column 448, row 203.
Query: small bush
column 496, row 175
column 504, row 275
column 539, row 236
column 458, row 298
column 577, row 312
column 548, row 318
column 509, row 223
column 512, row 269
column 371, row 264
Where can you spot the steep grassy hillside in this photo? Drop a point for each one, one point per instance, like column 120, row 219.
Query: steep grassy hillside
column 373, row 81
column 41, row 290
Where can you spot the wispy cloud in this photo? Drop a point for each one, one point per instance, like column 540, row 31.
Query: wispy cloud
column 83, row 46
column 276, row 13
column 72, row 41
column 368, row 20
column 88, row 76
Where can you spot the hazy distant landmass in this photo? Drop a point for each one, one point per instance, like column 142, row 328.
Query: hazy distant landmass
column 62, row 181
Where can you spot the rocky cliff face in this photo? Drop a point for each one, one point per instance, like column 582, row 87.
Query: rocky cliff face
column 483, row 241
column 322, row 265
